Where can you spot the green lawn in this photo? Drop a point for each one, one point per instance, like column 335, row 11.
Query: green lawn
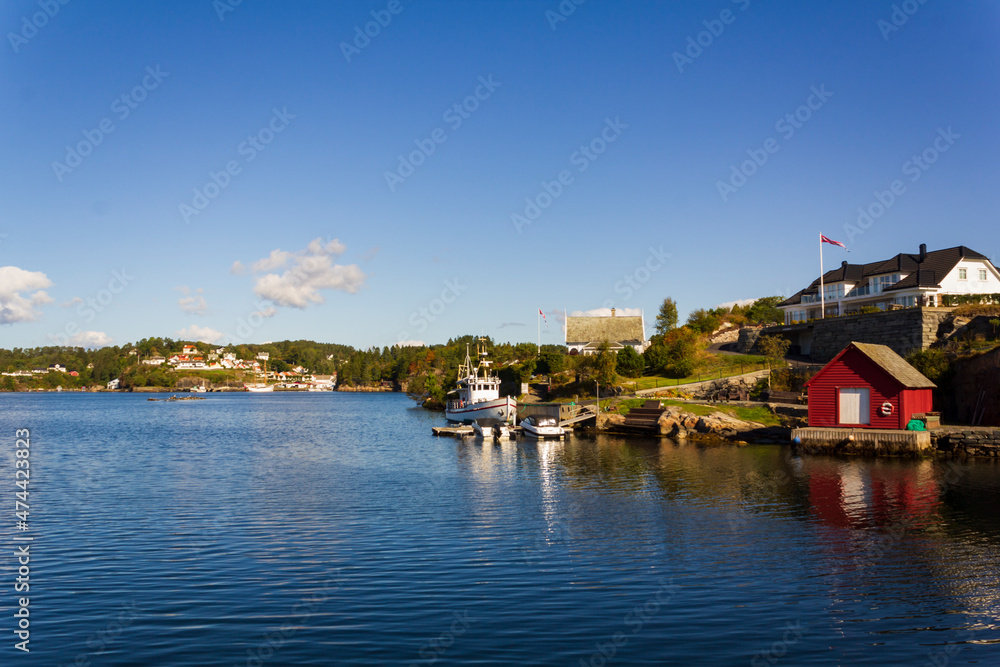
column 714, row 368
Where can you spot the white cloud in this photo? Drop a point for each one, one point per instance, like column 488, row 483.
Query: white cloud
column 606, row 312
column 237, row 269
column 193, row 304
column 90, row 340
column 738, row 302
column 18, row 307
column 312, row 270
column 277, row 259
column 265, row 312
column 72, row 302
column 202, row 334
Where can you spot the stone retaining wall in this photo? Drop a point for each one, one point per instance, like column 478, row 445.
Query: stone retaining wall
column 902, row 330
column 968, row 441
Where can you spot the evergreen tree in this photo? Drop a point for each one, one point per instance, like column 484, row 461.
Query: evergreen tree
column 667, row 318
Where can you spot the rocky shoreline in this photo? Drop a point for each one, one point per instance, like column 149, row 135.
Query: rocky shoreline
column 679, row 424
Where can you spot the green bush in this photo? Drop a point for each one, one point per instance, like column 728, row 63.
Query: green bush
column 629, row 363
column 933, row 363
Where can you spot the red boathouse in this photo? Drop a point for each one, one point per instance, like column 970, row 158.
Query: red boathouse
column 867, row 386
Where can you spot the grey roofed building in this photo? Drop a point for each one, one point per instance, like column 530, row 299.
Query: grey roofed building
column 895, row 366
column 585, row 334
column 906, row 280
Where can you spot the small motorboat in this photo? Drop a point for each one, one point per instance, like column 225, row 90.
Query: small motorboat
column 199, row 389
column 543, row 427
column 491, row 429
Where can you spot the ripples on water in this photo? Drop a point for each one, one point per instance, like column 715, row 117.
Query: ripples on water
column 329, row 529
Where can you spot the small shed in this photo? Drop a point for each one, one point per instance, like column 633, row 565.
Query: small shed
column 867, row 386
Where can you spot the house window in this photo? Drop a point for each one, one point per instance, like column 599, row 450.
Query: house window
column 982, row 275
column 854, row 404
column 879, row 283
column 962, row 274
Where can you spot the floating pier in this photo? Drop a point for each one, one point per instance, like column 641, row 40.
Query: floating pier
column 884, row 442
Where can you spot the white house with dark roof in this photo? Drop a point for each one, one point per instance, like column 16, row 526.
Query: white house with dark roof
column 903, row 281
column 584, row 335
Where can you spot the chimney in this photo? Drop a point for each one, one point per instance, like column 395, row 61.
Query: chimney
column 612, row 312
column 923, row 252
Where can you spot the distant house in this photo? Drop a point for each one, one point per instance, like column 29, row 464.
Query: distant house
column 58, row 368
column 190, row 349
column 114, row 384
column 154, row 361
column 74, row 374
column 868, row 386
column 584, row 335
column 903, row 281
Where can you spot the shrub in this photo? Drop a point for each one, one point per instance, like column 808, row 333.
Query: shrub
column 974, row 310
column 629, row 363
column 933, row 363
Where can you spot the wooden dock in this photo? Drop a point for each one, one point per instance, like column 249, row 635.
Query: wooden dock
column 871, row 441
column 463, row 431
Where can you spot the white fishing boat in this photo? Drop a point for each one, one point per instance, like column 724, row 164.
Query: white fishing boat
column 542, row 427
column 489, row 429
column 198, row 389
column 259, row 387
column 477, row 395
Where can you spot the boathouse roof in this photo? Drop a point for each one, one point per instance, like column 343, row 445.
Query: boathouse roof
column 891, row 363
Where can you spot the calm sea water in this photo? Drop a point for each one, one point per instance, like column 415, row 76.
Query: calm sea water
column 334, row 529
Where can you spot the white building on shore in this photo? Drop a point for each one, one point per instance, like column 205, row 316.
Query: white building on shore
column 907, row 280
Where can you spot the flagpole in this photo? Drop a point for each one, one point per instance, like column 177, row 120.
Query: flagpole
column 538, row 319
column 822, row 297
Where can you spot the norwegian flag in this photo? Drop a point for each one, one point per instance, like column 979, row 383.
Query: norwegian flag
column 823, row 239
column 543, row 317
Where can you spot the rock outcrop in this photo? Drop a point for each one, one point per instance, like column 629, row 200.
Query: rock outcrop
column 676, row 423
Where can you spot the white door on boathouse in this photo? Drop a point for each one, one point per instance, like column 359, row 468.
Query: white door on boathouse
column 854, row 406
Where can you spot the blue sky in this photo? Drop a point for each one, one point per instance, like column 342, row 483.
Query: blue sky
column 270, row 175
